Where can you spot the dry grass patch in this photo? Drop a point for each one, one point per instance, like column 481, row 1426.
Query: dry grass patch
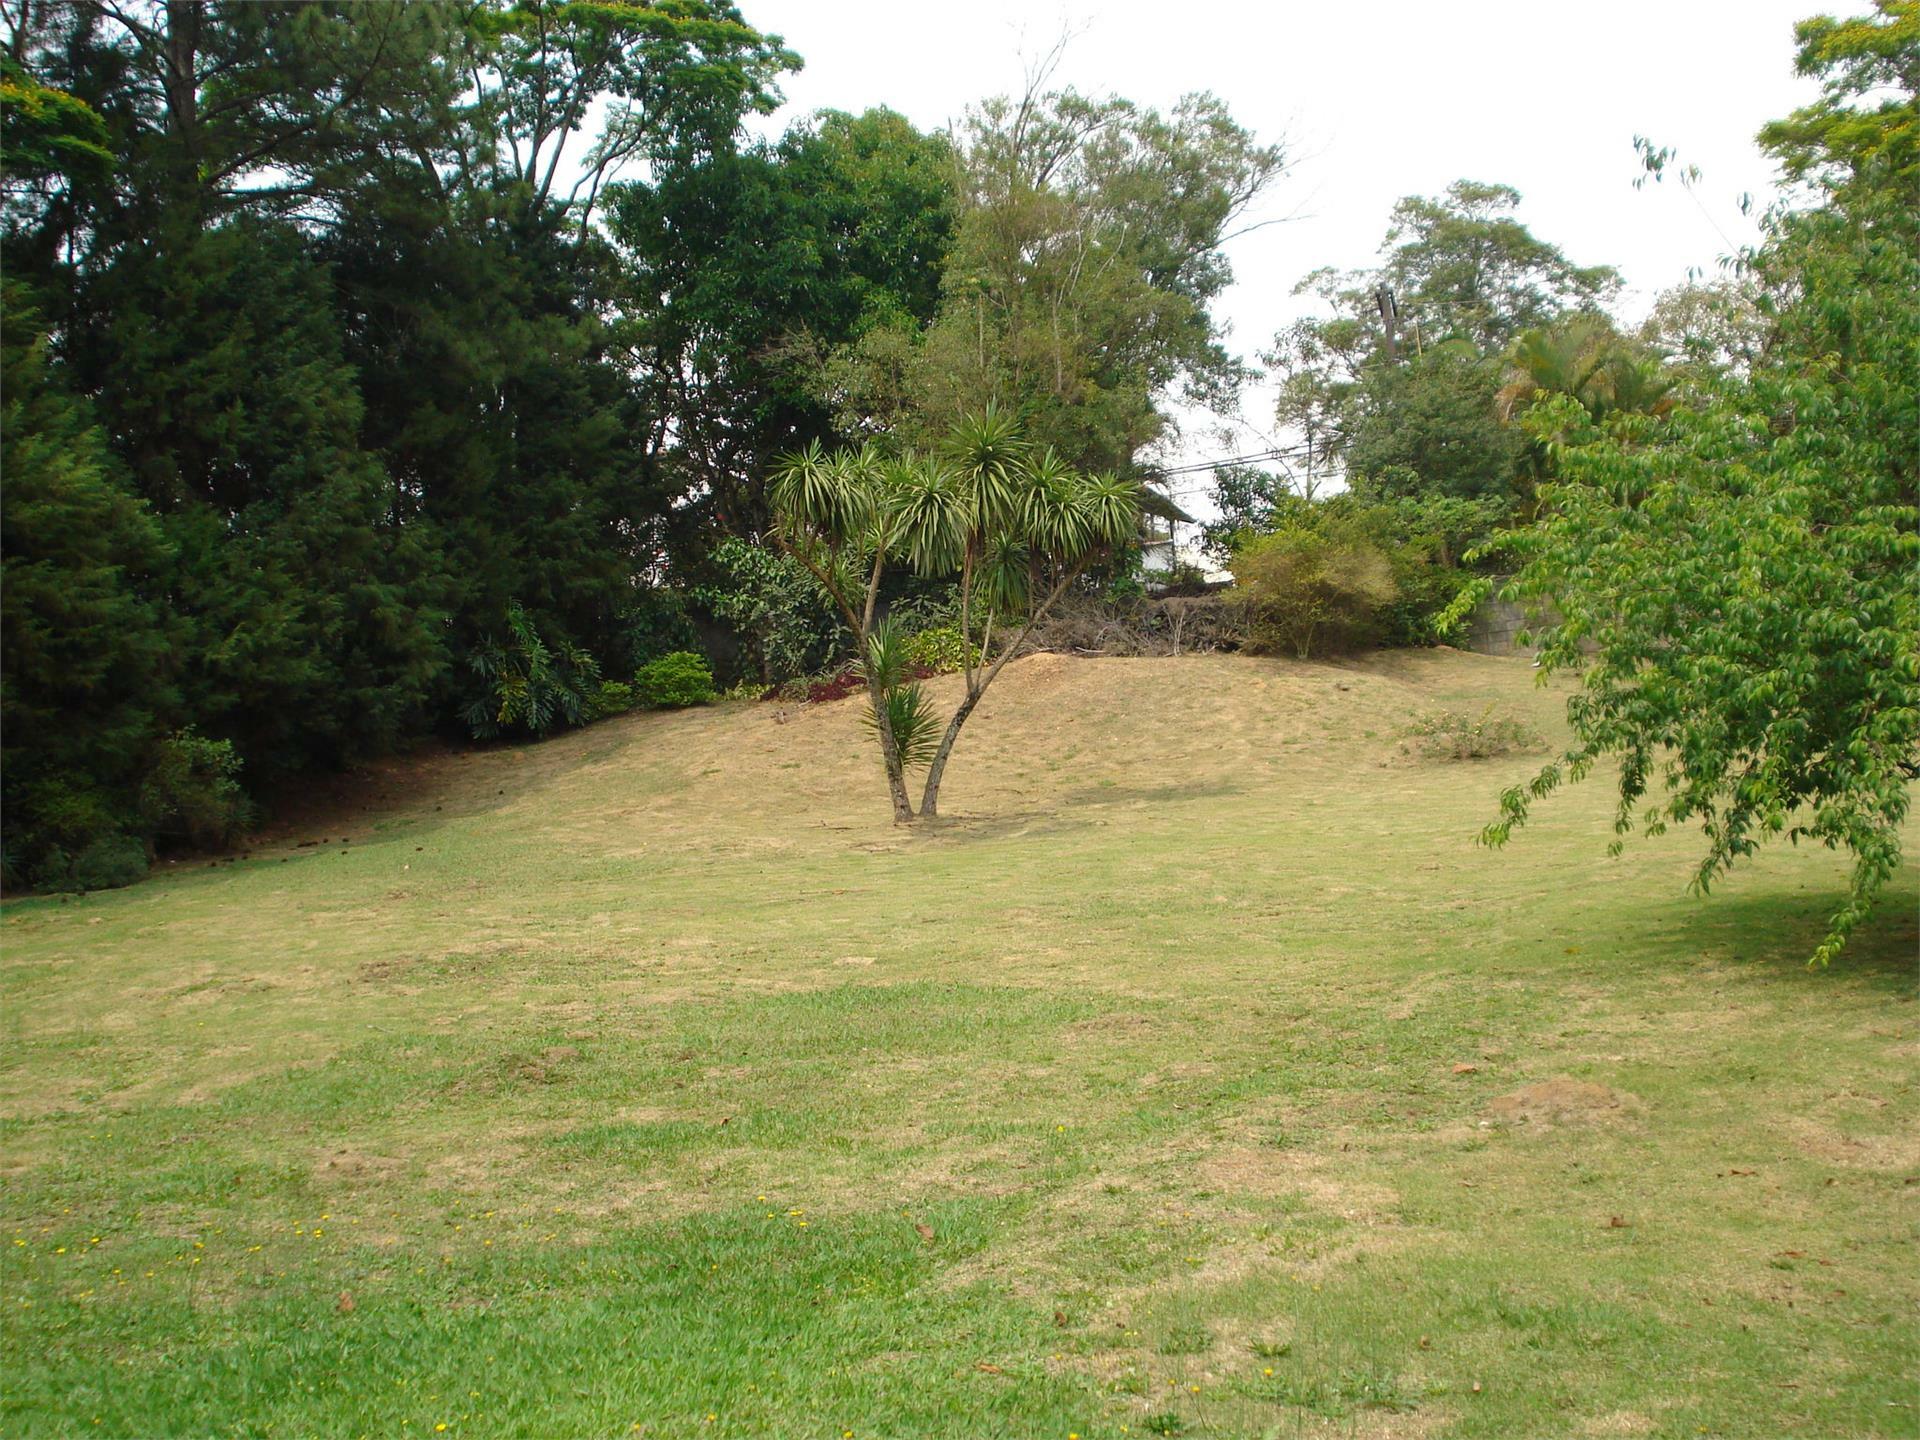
column 1158, row 1037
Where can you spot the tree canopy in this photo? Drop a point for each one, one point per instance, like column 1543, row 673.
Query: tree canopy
column 1076, row 293
column 1734, row 586
column 1397, row 383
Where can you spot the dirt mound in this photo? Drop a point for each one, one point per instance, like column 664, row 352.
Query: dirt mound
column 1565, row 1101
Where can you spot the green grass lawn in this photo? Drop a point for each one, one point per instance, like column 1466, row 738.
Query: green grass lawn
column 1200, row 1078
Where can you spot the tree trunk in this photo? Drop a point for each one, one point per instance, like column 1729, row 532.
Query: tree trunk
column 930, row 796
column 890, row 755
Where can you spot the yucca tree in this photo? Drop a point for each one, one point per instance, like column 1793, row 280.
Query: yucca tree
column 1017, row 526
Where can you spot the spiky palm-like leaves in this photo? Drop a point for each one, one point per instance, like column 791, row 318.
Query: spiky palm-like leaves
column 986, row 505
column 1584, row 358
column 990, row 457
column 930, row 515
column 1000, row 574
column 1626, row 383
column 909, row 714
column 1558, row 360
column 826, row 496
column 915, row 726
column 1111, row 507
column 1048, row 513
column 525, row 685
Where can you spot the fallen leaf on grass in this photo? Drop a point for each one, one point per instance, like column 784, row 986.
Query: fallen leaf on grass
column 925, row 1232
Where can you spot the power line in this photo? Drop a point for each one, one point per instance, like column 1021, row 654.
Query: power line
column 1257, row 457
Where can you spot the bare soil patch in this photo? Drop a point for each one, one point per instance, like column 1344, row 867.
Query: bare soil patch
column 1564, row 1101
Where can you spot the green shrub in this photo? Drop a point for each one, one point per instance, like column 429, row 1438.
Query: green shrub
column 1313, row 593
column 777, row 607
column 1423, row 539
column 931, row 608
column 527, row 686
column 1450, row 735
column 612, row 698
column 654, row 622
column 674, row 681
column 940, row 649
column 108, row 863
column 192, row 792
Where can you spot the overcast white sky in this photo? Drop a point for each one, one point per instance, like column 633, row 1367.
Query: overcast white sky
column 1374, row 101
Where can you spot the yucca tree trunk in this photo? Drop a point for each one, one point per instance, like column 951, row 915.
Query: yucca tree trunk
column 930, row 794
column 890, row 755
column 860, row 623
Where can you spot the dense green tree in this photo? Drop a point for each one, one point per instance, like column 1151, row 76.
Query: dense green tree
column 745, row 267
column 1462, row 267
column 1087, row 251
column 1839, row 144
column 189, row 304
column 1429, row 426
column 658, row 80
column 1398, row 379
column 1735, row 586
column 496, row 330
column 308, row 635
column 323, row 273
column 496, row 400
column 214, row 108
column 86, row 666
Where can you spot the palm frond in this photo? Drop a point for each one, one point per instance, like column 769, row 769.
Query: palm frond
column 1112, row 508
column 931, row 516
column 1000, row 575
column 885, row 662
column 988, row 453
column 915, row 725
column 1050, row 514
column 830, row 495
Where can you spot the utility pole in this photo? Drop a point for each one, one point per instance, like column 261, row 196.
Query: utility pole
column 1390, row 317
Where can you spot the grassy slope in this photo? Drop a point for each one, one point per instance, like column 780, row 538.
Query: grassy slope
column 649, row 1078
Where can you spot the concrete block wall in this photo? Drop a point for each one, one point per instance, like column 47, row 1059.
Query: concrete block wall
column 1494, row 628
